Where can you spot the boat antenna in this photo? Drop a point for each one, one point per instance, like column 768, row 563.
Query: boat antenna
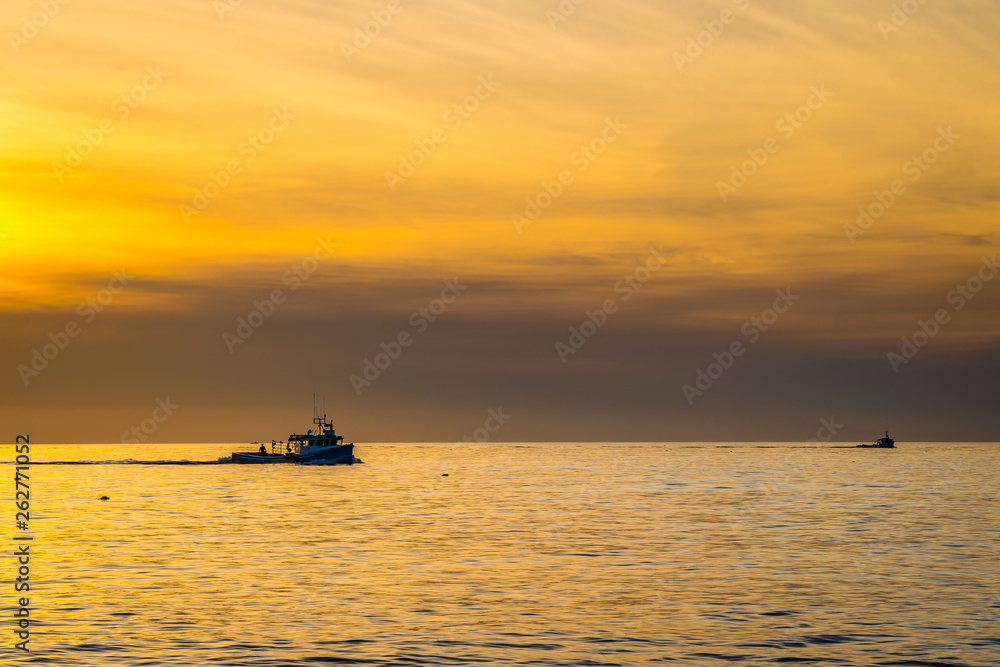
column 314, row 405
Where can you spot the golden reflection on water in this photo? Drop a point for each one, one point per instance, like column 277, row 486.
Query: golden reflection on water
column 550, row 554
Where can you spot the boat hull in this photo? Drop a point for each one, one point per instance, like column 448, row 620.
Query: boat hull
column 327, row 455
column 242, row 457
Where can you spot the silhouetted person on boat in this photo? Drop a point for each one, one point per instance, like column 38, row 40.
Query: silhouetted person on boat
column 263, row 449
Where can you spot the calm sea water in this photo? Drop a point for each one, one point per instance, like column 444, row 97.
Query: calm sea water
column 548, row 554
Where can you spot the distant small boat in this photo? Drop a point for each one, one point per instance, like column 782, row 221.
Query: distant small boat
column 324, row 446
column 884, row 442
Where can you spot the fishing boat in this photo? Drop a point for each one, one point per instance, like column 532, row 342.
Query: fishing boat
column 884, row 442
column 323, row 446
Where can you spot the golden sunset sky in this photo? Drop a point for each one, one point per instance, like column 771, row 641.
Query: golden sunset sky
column 116, row 117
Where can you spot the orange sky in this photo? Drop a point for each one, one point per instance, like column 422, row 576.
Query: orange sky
column 162, row 97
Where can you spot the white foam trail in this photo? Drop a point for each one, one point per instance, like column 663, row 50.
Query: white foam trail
column 327, row 463
column 163, row 462
column 94, row 462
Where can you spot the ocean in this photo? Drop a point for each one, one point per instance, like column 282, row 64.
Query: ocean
column 524, row 554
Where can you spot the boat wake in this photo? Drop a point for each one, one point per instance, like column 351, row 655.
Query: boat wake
column 136, row 462
column 320, row 462
column 167, row 462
